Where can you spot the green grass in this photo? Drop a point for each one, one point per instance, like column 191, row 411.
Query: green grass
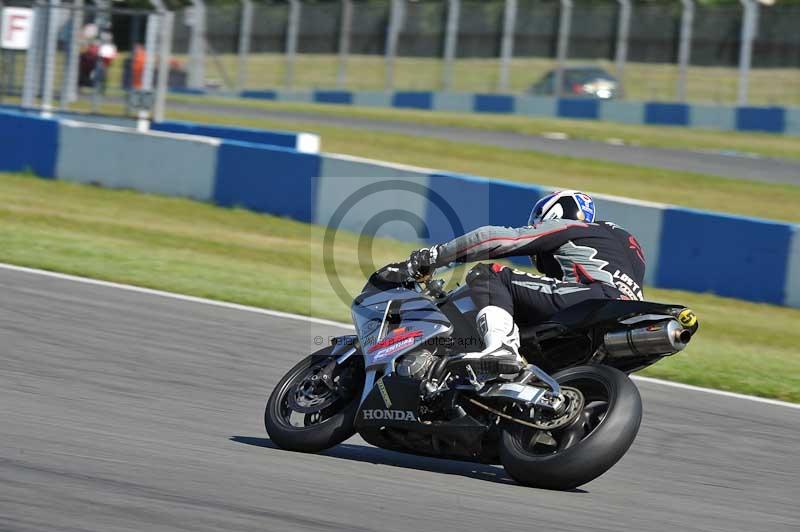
column 235, row 255
column 642, row 81
column 652, row 136
column 692, row 190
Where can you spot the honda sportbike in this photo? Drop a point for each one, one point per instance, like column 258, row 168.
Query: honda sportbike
column 401, row 383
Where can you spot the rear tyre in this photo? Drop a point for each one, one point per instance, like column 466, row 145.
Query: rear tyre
column 600, row 435
column 303, row 414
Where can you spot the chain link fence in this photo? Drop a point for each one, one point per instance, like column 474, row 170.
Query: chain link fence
column 733, row 53
column 73, row 56
column 743, row 53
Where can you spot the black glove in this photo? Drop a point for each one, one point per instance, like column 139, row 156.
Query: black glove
column 388, row 277
column 422, row 262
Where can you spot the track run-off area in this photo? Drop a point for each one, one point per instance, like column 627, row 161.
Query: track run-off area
column 131, row 409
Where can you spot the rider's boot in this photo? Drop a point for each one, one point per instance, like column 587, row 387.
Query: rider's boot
column 501, row 338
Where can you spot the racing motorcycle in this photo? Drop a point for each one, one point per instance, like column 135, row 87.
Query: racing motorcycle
column 399, row 383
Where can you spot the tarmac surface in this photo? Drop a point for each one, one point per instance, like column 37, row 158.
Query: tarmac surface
column 731, row 165
column 130, row 411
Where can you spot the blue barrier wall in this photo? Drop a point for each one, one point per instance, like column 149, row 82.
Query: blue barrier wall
column 727, row 255
column 413, row 100
column 267, row 179
column 769, row 119
column 493, row 103
column 756, row 260
column 667, row 114
column 708, row 116
column 456, row 204
column 28, row 143
column 585, row 109
column 340, row 97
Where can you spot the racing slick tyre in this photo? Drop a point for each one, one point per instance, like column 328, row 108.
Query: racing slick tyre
column 306, row 414
column 563, row 458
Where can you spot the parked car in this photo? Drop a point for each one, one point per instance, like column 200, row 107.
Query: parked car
column 581, row 82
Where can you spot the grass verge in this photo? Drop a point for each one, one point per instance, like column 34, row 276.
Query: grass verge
column 236, row 255
column 765, row 144
column 691, row 190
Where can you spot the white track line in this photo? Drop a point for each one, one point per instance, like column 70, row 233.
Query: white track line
column 287, row 315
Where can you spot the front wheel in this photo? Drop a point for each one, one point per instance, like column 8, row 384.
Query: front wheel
column 572, row 455
column 306, row 414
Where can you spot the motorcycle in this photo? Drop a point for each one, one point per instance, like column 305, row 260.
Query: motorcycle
column 401, row 383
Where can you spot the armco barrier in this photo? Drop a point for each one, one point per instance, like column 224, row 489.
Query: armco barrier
column 756, row 260
column 303, row 142
column 763, row 119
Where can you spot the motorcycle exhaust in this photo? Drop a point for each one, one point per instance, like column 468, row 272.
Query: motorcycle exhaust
column 661, row 338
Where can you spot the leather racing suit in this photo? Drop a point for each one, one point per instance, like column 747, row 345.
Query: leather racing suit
column 579, row 261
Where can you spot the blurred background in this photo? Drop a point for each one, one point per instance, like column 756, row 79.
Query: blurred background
column 715, row 51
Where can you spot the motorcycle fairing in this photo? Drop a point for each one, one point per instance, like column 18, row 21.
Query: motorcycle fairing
column 391, row 323
column 393, row 401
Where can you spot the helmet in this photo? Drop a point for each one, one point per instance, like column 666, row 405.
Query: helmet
column 566, row 204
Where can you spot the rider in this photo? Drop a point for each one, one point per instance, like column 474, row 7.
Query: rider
column 581, row 259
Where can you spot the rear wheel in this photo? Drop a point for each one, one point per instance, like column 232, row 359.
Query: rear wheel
column 582, row 450
column 310, row 410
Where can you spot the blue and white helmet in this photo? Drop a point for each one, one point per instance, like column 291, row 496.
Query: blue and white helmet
column 565, row 204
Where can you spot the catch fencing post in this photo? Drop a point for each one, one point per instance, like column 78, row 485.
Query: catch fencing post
column 749, row 28
column 32, row 69
column 507, row 43
column 292, row 34
column 564, row 26
column 685, row 49
column 53, row 16
column 623, row 31
column 245, row 31
column 69, row 87
column 345, row 28
column 165, row 50
column 450, row 43
column 197, row 47
column 150, row 45
column 396, row 17
column 3, row 61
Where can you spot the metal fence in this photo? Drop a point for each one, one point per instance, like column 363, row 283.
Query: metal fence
column 745, row 53
column 67, row 57
column 679, row 51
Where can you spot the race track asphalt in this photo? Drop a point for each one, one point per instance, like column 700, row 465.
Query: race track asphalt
column 730, row 165
column 127, row 411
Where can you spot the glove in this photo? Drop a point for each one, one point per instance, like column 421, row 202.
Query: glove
column 422, row 262
column 394, row 273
